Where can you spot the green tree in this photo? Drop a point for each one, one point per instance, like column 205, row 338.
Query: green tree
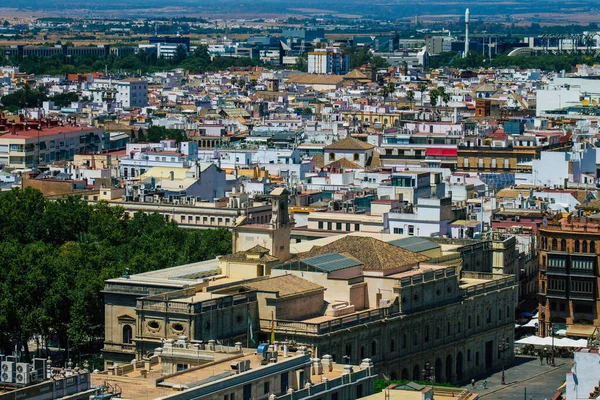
column 422, row 87
column 56, row 255
column 301, row 63
column 410, row 96
column 433, row 97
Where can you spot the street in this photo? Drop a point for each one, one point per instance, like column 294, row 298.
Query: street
column 526, row 379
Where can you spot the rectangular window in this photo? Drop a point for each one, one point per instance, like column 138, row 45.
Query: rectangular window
column 338, row 226
column 506, row 163
column 466, row 162
column 476, row 358
column 320, row 224
column 329, row 226
column 468, row 354
column 357, row 227
column 266, row 388
column 411, row 230
column 480, row 163
column 347, row 227
column 493, row 163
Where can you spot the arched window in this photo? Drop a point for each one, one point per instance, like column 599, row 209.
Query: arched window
column 554, row 244
column 592, row 246
column 426, row 333
column 437, row 332
column 478, row 321
column 356, row 157
column 469, row 322
column 373, row 348
column 404, row 341
column 392, row 345
column 577, row 249
column 449, row 329
column 563, row 245
column 362, row 352
column 127, row 334
column 584, row 247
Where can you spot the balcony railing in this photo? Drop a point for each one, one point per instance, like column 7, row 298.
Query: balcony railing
column 582, row 272
column 556, row 294
column 582, row 296
column 123, row 347
column 556, row 271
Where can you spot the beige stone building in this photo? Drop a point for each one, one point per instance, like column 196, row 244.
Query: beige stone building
column 401, row 303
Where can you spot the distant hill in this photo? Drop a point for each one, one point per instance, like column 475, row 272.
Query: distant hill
column 388, row 9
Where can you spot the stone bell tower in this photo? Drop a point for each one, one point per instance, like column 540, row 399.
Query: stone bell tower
column 280, row 224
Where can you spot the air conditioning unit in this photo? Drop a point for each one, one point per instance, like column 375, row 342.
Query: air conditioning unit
column 7, row 371
column 22, row 374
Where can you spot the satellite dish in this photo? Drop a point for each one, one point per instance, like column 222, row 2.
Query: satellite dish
column 142, row 186
column 536, row 324
column 595, row 102
column 585, row 102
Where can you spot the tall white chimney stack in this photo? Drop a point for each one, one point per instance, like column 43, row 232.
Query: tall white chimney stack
column 467, row 18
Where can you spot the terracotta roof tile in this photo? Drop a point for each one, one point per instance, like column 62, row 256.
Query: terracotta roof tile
column 349, row 144
column 285, row 285
column 373, row 253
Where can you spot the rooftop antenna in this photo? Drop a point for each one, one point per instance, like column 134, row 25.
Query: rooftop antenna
column 467, row 18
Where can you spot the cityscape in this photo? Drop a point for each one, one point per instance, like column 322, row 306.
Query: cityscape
column 285, row 201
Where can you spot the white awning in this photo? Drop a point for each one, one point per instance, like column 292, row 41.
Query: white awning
column 547, row 341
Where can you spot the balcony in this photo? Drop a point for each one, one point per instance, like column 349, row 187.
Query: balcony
column 120, row 347
column 582, row 272
column 560, row 271
column 582, row 296
column 556, row 294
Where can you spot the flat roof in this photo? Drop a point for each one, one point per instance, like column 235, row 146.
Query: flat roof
column 415, row 244
column 55, row 130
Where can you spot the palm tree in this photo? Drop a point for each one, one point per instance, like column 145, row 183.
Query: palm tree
column 445, row 97
column 391, row 87
column 422, row 87
column 410, row 96
column 433, row 97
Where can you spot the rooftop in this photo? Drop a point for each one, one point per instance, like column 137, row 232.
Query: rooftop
column 55, row 130
column 373, row 253
column 349, row 143
column 284, row 285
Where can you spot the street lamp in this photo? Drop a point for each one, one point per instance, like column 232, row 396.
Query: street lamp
column 552, row 351
column 427, row 375
column 502, row 347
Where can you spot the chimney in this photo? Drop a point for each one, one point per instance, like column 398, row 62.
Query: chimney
column 317, row 367
column 366, row 363
column 285, row 349
column 327, row 362
column 238, row 346
column 211, row 343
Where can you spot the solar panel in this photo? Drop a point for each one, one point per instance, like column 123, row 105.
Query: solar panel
column 414, row 244
column 331, row 262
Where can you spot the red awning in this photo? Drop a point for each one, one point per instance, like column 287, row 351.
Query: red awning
column 441, row 152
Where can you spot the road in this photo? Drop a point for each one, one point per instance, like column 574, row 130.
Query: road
column 527, row 380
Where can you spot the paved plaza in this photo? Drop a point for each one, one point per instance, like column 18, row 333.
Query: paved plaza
column 525, row 379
